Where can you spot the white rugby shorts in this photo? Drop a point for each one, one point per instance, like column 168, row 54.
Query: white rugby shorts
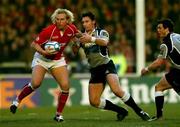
column 47, row 63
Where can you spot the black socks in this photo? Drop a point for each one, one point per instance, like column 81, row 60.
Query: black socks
column 159, row 105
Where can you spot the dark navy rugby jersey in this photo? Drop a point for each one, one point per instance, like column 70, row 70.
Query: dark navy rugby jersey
column 96, row 54
column 170, row 49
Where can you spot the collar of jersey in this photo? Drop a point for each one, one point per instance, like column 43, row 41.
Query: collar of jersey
column 92, row 31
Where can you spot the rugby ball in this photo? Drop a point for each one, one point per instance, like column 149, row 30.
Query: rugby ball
column 52, row 47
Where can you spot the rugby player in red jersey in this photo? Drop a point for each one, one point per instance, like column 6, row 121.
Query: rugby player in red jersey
column 61, row 30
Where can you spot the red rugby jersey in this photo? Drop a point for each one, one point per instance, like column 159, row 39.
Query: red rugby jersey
column 52, row 33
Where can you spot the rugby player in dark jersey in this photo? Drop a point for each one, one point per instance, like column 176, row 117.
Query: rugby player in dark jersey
column 94, row 41
column 169, row 51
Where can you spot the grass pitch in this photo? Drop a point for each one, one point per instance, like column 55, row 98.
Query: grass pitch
column 86, row 116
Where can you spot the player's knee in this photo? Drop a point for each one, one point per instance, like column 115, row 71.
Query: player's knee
column 94, row 102
column 65, row 86
column 156, row 87
column 35, row 85
column 159, row 88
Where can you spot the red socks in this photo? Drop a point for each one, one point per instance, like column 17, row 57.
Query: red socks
column 61, row 102
column 25, row 92
column 63, row 96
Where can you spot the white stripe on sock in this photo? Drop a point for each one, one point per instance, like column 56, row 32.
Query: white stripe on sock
column 125, row 97
column 159, row 93
column 102, row 103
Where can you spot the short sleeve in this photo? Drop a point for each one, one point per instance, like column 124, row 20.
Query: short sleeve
column 104, row 35
column 42, row 37
column 163, row 51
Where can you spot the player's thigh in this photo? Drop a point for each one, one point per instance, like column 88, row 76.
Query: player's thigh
column 162, row 85
column 61, row 75
column 113, row 81
column 38, row 73
column 95, row 91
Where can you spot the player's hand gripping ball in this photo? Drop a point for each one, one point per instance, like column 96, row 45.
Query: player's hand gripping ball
column 52, row 47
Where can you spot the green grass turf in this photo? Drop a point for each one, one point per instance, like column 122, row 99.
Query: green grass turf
column 86, row 116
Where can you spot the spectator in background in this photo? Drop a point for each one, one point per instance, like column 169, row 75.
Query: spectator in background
column 119, row 59
column 62, row 30
column 168, row 9
column 23, row 15
column 30, row 13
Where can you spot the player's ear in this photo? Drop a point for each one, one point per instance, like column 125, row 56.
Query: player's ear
column 94, row 22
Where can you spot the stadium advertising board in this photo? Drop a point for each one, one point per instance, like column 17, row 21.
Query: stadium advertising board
column 141, row 89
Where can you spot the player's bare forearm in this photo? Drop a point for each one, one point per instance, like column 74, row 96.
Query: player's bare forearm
column 38, row 48
column 86, row 38
column 101, row 42
column 153, row 66
column 78, row 35
column 156, row 64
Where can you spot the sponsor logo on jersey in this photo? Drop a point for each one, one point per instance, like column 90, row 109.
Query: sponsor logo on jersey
column 105, row 34
column 54, row 37
column 69, row 35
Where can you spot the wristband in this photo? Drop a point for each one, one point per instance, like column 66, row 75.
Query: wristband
column 93, row 39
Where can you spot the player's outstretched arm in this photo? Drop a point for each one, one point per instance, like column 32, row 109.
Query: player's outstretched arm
column 154, row 65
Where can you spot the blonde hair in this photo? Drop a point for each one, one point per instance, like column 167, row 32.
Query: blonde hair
column 69, row 15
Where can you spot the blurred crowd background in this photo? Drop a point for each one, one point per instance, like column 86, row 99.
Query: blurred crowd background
column 22, row 20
